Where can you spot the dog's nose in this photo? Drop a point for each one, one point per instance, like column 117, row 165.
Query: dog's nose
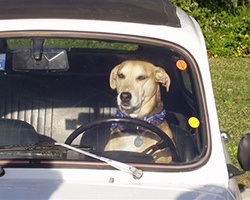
column 125, row 96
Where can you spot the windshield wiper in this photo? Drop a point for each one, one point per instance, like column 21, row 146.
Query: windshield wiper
column 136, row 173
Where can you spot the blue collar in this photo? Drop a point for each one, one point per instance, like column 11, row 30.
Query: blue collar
column 156, row 119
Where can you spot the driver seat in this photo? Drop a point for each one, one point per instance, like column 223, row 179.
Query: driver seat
column 185, row 144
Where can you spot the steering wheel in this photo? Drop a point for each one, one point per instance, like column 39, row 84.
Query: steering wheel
column 163, row 143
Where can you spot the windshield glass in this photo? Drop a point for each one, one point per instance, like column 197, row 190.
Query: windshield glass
column 127, row 101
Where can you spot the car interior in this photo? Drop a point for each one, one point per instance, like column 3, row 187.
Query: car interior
column 49, row 91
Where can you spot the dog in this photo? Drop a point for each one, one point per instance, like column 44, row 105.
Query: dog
column 138, row 96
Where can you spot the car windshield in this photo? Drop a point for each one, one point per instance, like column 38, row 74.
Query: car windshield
column 132, row 101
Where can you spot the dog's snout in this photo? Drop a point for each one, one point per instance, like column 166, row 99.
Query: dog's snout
column 125, row 96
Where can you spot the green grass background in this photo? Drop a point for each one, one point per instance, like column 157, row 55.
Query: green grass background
column 231, row 84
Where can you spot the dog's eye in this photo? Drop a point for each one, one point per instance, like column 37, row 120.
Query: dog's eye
column 142, row 77
column 121, row 76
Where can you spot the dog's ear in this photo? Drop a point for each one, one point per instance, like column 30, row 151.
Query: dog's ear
column 113, row 77
column 162, row 77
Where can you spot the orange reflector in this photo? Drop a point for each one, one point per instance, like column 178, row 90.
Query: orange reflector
column 181, row 64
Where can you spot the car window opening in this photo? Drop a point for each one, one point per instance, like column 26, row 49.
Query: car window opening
column 68, row 85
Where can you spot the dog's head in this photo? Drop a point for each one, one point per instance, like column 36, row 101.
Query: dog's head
column 137, row 85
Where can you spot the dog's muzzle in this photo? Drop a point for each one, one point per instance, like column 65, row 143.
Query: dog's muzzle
column 125, row 98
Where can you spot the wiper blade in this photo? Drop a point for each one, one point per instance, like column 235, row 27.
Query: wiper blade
column 136, row 173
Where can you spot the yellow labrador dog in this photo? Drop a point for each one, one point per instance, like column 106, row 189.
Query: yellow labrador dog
column 137, row 85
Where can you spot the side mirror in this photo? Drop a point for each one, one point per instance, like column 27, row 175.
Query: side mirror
column 244, row 152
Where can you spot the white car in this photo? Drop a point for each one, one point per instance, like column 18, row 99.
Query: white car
column 57, row 108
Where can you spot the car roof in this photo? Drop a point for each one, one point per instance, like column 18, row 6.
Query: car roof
column 156, row 12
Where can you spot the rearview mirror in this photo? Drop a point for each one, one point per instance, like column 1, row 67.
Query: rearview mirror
column 50, row 59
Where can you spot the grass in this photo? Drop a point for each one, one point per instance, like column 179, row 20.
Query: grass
column 231, row 83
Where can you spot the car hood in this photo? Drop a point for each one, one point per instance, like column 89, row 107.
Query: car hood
column 56, row 189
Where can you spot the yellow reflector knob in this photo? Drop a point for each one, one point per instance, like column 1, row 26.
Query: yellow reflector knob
column 193, row 122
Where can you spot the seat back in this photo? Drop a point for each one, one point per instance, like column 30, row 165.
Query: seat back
column 16, row 132
column 185, row 143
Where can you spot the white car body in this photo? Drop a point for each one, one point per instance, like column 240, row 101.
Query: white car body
column 209, row 180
